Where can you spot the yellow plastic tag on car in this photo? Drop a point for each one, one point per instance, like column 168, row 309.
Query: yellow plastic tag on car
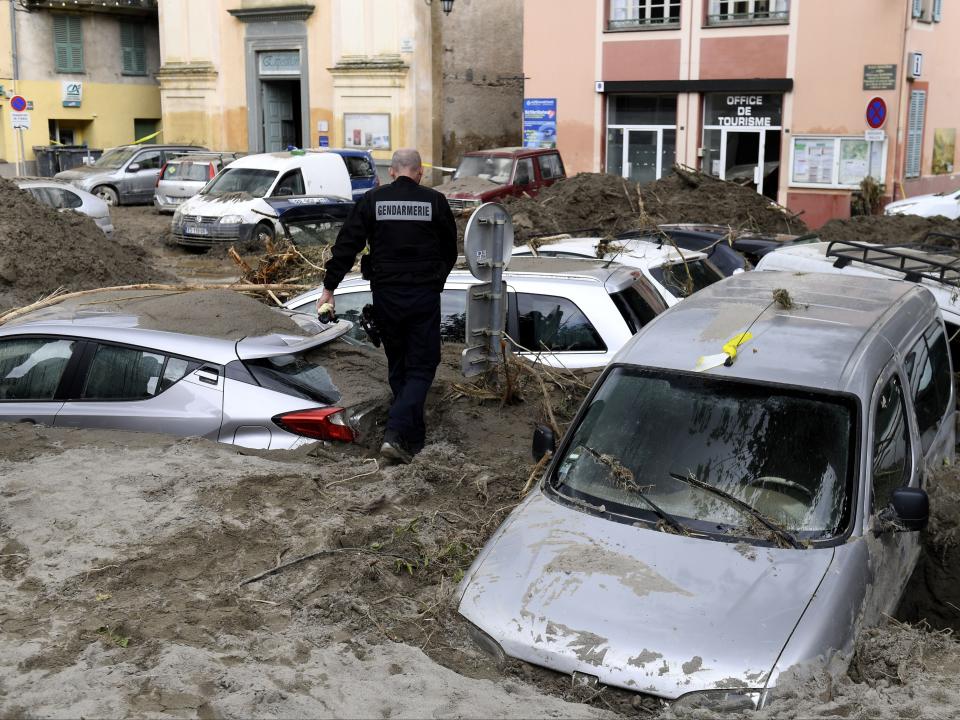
column 708, row 362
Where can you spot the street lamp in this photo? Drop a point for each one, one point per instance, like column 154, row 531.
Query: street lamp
column 447, row 5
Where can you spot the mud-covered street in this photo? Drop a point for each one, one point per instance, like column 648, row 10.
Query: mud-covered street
column 145, row 575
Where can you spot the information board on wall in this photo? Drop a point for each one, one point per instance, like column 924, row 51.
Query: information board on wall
column 879, row 77
column 813, row 161
column 540, row 122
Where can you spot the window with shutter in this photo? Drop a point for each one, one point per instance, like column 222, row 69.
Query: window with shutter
column 133, row 51
column 937, row 10
column 918, row 107
column 917, row 8
column 68, row 43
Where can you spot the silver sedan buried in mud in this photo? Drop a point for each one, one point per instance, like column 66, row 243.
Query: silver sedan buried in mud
column 739, row 494
column 104, row 371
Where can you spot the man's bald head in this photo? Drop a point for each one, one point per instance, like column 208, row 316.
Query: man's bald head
column 406, row 162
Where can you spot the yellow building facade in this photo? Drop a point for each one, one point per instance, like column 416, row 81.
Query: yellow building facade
column 259, row 75
column 87, row 70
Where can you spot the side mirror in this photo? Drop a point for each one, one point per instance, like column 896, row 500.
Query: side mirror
column 911, row 509
column 133, row 167
column 544, row 442
column 283, row 192
column 908, row 511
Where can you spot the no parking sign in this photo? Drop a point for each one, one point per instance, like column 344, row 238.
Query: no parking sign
column 876, row 113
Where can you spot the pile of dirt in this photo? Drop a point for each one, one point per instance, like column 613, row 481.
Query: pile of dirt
column 888, row 229
column 213, row 313
column 42, row 250
column 606, row 205
column 933, row 595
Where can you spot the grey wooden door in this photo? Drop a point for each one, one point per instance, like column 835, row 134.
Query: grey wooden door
column 277, row 116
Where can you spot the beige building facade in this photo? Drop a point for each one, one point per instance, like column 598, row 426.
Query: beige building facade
column 86, row 70
column 786, row 96
column 259, row 75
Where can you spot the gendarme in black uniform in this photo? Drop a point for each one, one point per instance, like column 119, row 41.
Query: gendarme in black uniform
column 413, row 246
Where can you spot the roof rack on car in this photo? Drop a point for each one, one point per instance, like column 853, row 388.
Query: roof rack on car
column 916, row 261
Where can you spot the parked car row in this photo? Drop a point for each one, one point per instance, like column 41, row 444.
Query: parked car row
column 741, row 491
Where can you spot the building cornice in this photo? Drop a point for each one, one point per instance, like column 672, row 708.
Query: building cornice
column 192, row 71
column 363, row 65
column 276, row 13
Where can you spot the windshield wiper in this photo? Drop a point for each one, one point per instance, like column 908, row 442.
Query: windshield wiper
column 625, row 479
column 780, row 532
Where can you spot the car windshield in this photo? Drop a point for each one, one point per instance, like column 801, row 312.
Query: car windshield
column 250, row 181
column 186, row 170
column 495, row 169
column 115, row 158
column 299, row 374
column 683, row 279
column 786, row 453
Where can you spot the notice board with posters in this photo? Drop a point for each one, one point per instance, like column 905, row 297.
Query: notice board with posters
column 366, row 130
column 540, row 122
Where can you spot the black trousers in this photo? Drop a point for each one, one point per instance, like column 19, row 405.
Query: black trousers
column 408, row 318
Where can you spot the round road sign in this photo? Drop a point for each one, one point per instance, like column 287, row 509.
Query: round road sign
column 478, row 240
column 18, row 104
column 876, row 113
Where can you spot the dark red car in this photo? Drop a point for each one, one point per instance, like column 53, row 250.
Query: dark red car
column 489, row 175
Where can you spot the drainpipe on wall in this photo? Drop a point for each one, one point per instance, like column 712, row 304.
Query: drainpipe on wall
column 13, row 43
column 21, row 161
column 898, row 138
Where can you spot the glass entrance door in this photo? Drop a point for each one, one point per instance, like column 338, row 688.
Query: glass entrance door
column 641, row 154
column 743, row 157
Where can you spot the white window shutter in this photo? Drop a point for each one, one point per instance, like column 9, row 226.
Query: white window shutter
column 918, row 107
column 937, row 10
column 917, row 8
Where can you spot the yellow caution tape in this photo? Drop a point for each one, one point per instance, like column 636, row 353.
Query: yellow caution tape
column 730, row 348
column 708, row 362
column 148, row 137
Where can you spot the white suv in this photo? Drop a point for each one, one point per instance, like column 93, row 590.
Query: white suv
column 565, row 313
column 937, row 269
column 673, row 272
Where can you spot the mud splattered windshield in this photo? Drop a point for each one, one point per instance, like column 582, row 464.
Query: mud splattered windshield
column 115, row 158
column 248, row 181
column 787, row 454
column 684, row 279
column 495, row 169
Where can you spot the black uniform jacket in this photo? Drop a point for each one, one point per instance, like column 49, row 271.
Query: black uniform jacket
column 411, row 232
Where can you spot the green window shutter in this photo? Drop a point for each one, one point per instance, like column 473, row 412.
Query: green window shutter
column 68, row 43
column 133, row 49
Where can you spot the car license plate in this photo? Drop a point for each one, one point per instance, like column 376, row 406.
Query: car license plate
column 195, row 230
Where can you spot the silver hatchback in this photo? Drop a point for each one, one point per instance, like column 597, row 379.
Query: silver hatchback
column 104, row 371
column 740, row 493
column 184, row 176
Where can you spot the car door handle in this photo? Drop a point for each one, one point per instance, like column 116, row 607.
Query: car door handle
column 208, row 375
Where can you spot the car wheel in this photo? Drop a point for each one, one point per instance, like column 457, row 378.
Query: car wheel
column 263, row 234
column 107, row 194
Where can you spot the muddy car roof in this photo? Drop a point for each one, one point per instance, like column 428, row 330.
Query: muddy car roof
column 833, row 333
column 123, row 329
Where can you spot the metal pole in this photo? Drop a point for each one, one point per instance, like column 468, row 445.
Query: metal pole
column 496, row 288
column 22, row 169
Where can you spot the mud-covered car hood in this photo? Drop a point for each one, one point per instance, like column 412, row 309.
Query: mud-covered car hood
column 470, row 187
column 82, row 172
column 635, row 607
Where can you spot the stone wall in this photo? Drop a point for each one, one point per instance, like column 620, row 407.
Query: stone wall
column 482, row 87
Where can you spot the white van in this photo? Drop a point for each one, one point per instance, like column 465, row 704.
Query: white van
column 230, row 208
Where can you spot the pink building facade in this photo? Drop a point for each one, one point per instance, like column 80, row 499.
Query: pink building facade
column 786, row 96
